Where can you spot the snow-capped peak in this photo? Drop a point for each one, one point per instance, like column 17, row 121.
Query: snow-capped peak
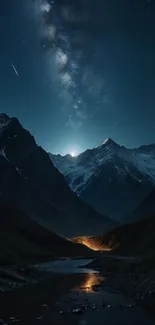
column 108, row 141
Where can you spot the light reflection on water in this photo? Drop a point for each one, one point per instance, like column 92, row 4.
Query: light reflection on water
column 90, row 283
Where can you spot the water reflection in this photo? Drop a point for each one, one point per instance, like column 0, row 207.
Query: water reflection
column 91, row 282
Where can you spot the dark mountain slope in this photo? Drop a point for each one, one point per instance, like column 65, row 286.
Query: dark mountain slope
column 29, row 180
column 134, row 238
column 146, row 208
column 22, row 240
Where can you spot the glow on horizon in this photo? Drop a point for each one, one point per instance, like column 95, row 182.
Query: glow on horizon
column 74, row 153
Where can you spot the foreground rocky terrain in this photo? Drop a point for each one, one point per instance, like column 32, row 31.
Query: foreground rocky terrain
column 84, row 298
column 133, row 276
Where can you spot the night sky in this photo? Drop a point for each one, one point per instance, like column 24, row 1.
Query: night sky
column 78, row 71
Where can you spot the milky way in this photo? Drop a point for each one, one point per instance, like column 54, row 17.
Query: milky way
column 64, row 49
column 78, row 71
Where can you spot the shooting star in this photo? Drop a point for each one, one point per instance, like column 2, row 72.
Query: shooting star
column 15, row 70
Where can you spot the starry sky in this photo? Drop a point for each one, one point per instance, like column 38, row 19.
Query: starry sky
column 78, row 71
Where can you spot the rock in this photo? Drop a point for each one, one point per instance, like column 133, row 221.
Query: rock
column 84, row 306
column 78, row 311
column 131, row 305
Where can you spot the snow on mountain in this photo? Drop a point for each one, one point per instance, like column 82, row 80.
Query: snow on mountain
column 110, row 172
column 143, row 158
column 78, row 170
column 146, row 164
column 90, row 161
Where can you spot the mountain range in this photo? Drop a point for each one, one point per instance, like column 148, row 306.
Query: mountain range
column 113, row 179
column 39, row 210
column 29, row 180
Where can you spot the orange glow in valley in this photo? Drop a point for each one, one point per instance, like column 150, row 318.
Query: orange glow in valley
column 92, row 243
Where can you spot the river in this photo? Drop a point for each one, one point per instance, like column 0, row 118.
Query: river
column 67, row 266
column 71, row 295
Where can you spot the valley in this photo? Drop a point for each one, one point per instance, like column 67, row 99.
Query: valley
column 77, row 162
column 61, row 260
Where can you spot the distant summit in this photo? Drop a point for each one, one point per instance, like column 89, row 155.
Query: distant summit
column 110, row 177
column 108, row 141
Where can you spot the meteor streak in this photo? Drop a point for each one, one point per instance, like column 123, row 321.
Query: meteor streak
column 15, row 70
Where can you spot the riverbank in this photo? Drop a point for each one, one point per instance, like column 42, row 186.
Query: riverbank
column 134, row 277
column 32, row 294
column 19, row 275
column 71, row 297
column 31, row 303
